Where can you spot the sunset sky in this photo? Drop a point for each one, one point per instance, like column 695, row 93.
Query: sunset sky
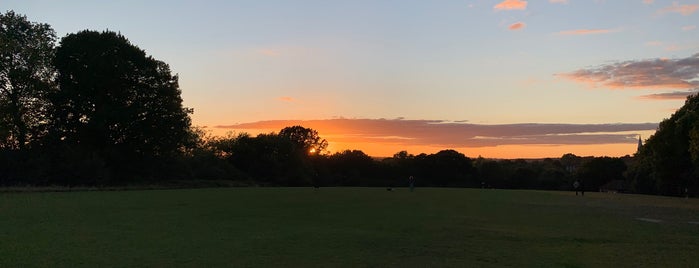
column 502, row 79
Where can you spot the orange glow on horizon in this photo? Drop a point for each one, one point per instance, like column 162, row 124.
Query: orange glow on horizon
column 391, row 146
column 501, row 152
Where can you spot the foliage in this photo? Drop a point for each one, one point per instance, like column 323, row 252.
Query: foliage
column 600, row 170
column 667, row 163
column 119, row 105
column 304, row 140
column 26, row 78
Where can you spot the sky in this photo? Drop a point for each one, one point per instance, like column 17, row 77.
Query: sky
column 498, row 79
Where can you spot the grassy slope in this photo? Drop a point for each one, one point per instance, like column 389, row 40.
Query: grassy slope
column 345, row 227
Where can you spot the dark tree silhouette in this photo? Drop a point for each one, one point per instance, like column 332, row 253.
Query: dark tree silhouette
column 26, row 76
column 115, row 102
column 601, row 170
column 667, row 162
column 305, row 139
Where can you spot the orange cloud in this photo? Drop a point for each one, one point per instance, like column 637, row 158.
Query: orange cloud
column 685, row 10
column 680, row 73
column 517, row 26
column 286, row 99
column 587, row 31
column 383, row 137
column 511, row 5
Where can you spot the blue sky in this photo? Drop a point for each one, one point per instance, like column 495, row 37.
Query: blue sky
column 479, row 62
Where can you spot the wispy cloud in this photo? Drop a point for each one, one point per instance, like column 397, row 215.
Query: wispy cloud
column 648, row 2
column 286, row 99
column 268, row 52
column 654, row 43
column 682, row 73
column 675, row 95
column 558, row 1
column 685, row 10
column 689, row 27
column 517, row 26
column 587, row 31
column 448, row 134
column 665, row 46
column 511, row 5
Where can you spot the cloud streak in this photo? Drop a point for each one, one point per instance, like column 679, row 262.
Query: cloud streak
column 511, row 5
column 675, row 95
column 587, row 31
column 448, row 134
column 682, row 73
column 684, row 10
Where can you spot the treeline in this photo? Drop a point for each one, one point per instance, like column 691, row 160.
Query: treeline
column 92, row 109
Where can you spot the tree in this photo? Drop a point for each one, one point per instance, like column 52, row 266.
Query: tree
column 446, row 168
column 667, row 162
column 601, row 170
column 116, row 102
column 305, row 139
column 26, row 77
column 352, row 168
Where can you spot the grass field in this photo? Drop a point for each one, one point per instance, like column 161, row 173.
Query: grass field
column 346, row 227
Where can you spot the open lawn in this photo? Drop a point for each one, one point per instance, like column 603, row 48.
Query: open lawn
column 346, row 227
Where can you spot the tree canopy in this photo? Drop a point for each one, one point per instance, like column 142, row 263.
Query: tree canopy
column 26, row 77
column 667, row 163
column 113, row 97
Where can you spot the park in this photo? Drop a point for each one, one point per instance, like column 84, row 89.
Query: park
column 346, row 227
column 102, row 163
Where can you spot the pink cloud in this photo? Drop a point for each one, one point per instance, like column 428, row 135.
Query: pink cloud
column 648, row 2
column 558, row 1
column 689, row 27
column 517, row 26
column 587, row 31
column 511, row 5
column 685, row 10
column 682, row 73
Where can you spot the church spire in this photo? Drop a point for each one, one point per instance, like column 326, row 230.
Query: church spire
column 640, row 144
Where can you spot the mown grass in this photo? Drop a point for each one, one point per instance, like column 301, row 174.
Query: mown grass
column 345, row 227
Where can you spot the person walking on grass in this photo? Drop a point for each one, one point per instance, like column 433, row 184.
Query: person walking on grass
column 411, row 182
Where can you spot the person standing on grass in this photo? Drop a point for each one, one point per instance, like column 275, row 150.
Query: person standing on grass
column 411, row 182
column 576, row 185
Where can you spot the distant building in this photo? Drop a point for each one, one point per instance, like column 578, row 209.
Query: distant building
column 640, row 144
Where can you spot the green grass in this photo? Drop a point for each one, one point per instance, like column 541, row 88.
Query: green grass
column 345, row 227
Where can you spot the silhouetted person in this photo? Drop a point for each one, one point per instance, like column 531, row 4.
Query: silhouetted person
column 579, row 187
column 576, row 186
column 411, row 182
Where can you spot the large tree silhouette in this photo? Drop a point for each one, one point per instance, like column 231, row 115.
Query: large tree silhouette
column 115, row 101
column 26, row 75
column 667, row 163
